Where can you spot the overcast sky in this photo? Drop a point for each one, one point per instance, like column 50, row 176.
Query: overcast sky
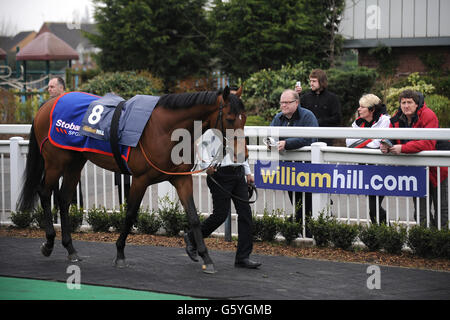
column 29, row 15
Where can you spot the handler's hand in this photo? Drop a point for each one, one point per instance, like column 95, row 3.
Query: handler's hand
column 281, row 145
column 384, row 148
column 210, row 170
column 250, row 179
column 396, row 149
column 298, row 89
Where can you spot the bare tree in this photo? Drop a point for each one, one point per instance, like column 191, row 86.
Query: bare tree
column 7, row 28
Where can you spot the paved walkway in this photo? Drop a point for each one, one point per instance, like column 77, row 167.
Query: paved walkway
column 169, row 270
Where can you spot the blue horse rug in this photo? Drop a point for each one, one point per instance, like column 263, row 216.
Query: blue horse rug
column 80, row 121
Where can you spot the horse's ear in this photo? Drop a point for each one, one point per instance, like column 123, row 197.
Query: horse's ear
column 239, row 92
column 226, row 93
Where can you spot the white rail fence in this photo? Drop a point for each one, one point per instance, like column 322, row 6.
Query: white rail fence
column 98, row 186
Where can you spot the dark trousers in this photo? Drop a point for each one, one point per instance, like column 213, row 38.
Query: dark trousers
column 233, row 180
column 299, row 208
column 373, row 209
column 126, row 185
column 433, row 202
column 299, row 204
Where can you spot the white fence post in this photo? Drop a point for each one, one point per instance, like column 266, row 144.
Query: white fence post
column 17, row 169
column 319, row 200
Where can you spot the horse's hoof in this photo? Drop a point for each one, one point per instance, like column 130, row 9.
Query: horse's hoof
column 74, row 257
column 120, row 263
column 208, row 268
column 46, row 251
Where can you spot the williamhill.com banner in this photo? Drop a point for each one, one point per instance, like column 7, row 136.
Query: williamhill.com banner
column 345, row 179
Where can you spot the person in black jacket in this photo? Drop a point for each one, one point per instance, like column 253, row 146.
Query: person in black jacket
column 324, row 104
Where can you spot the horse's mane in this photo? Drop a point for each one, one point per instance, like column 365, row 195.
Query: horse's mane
column 186, row 100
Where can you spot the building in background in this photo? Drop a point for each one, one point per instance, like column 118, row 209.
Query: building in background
column 413, row 29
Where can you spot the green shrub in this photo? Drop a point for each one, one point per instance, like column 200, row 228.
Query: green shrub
column 75, row 217
column 117, row 218
column 429, row 242
column 393, row 238
column 420, row 241
column 148, row 223
column 441, row 84
column 441, row 243
column 349, row 86
column 256, row 121
column 263, row 88
column 257, row 228
column 440, row 105
column 125, row 84
column 321, row 229
column 22, row 219
column 38, row 217
column 270, row 225
column 289, row 229
column 342, row 235
column 265, row 228
column 99, row 219
column 25, row 111
column 172, row 216
column 371, row 236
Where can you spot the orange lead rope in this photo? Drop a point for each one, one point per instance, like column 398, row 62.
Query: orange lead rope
column 166, row 172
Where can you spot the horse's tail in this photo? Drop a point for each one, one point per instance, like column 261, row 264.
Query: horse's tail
column 34, row 171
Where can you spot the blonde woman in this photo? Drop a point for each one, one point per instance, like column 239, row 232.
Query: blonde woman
column 371, row 114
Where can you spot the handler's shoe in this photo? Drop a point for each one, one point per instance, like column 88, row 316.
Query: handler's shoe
column 246, row 263
column 191, row 250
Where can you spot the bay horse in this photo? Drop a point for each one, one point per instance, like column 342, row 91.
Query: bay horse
column 149, row 163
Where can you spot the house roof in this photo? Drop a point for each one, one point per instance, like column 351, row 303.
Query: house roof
column 70, row 32
column 21, row 40
column 47, row 46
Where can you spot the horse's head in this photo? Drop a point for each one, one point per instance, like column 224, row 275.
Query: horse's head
column 230, row 121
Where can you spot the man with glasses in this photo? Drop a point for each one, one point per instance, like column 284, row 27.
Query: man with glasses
column 292, row 114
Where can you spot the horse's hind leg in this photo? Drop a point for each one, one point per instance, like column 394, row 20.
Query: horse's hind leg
column 70, row 181
column 50, row 182
column 45, row 196
column 184, row 189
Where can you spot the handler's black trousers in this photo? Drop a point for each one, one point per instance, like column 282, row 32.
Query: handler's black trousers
column 232, row 179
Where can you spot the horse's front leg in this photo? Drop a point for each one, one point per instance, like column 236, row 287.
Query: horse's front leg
column 184, row 189
column 137, row 191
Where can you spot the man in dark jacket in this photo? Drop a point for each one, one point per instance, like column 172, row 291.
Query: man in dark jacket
column 323, row 103
column 292, row 114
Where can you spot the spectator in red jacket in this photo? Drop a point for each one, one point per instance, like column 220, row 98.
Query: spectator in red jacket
column 414, row 113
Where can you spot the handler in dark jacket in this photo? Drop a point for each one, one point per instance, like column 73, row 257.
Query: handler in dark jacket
column 292, row 114
column 324, row 104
